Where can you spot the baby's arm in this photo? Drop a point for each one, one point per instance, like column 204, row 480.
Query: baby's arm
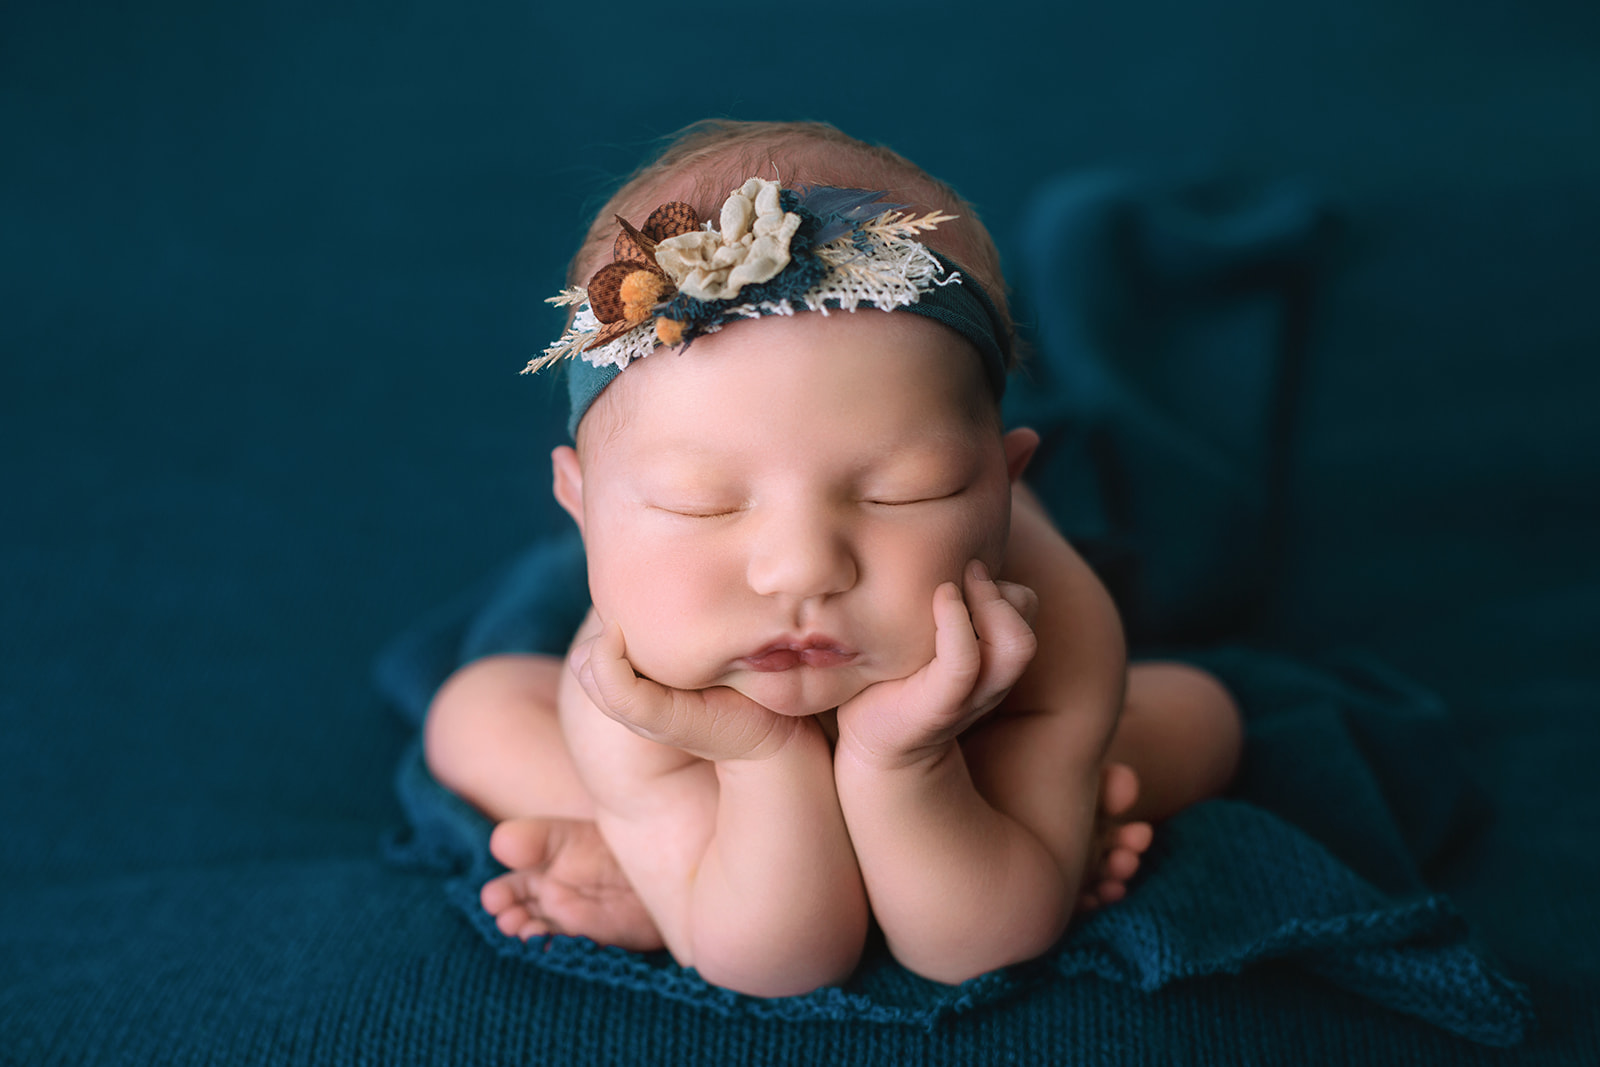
column 973, row 852
column 725, row 819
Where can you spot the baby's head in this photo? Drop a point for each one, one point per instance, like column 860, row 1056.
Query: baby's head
column 704, row 162
column 772, row 507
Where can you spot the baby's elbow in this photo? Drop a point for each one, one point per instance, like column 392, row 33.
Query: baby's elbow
column 955, row 970
column 952, row 963
column 765, row 969
column 775, row 983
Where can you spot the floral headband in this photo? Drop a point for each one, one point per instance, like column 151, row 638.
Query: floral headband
column 778, row 251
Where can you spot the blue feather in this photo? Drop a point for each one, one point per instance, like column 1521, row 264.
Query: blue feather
column 840, row 211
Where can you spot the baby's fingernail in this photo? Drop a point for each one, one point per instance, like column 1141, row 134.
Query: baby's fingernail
column 979, row 570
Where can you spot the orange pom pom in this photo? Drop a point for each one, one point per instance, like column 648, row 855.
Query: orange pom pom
column 641, row 291
column 669, row 332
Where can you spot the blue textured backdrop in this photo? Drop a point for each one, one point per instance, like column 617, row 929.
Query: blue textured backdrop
column 268, row 274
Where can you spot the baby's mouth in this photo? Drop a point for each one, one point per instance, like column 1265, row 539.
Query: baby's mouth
column 788, row 654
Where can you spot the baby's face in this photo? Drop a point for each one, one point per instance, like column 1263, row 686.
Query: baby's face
column 773, row 508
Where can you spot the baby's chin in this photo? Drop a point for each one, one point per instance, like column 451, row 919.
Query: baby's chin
column 800, row 692
column 796, row 693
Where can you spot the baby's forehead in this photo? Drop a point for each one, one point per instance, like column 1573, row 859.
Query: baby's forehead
column 915, row 381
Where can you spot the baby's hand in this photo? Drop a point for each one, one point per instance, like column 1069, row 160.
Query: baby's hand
column 982, row 644
column 713, row 724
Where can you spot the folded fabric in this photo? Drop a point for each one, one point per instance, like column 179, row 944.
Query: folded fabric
column 1169, row 322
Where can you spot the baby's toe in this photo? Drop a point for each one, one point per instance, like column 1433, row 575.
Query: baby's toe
column 1119, row 790
column 1109, row 892
column 1120, row 865
column 497, row 895
column 512, row 899
column 533, row 927
column 521, row 843
column 1135, row 836
column 511, row 920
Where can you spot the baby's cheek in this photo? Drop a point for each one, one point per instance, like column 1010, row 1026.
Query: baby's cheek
column 904, row 624
column 665, row 630
column 993, row 531
column 975, row 532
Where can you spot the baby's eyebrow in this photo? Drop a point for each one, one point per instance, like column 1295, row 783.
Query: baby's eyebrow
column 696, row 466
column 906, row 451
column 915, row 471
column 685, row 454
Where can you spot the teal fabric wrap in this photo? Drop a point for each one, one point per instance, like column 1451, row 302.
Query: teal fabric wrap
column 959, row 303
column 584, row 383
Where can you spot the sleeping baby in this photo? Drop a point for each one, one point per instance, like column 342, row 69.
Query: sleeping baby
column 839, row 668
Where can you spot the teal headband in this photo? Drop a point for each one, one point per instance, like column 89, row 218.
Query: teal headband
column 779, row 251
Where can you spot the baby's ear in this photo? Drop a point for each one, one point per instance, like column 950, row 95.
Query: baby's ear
column 568, row 483
column 1020, row 445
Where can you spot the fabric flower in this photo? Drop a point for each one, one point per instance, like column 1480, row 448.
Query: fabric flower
column 752, row 246
column 623, row 294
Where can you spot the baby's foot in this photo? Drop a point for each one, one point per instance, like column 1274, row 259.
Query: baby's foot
column 1119, row 844
column 564, row 880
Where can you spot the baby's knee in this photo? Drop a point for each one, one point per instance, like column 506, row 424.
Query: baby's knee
column 1188, row 711
column 1182, row 688
column 474, row 707
column 451, row 723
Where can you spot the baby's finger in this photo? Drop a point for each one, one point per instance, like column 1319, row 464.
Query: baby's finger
column 1000, row 612
column 956, row 655
column 1022, row 599
column 941, row 687
column 579, row 656
column 715, row 724
column 606, row 675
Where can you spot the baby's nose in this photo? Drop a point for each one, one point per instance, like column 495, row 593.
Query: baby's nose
column 801, row 555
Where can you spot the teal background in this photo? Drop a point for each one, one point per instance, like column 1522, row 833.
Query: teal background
column 269, row 273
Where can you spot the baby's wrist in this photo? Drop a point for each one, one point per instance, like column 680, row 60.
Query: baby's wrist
column 803, row 763
column 876, row 756
column 787, row 739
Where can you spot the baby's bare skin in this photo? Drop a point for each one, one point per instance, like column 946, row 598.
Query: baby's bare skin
column 803, row 517
column 563, row 878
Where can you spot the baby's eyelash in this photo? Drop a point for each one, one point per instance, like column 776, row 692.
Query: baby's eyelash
column 697, row 513
column 928, row 499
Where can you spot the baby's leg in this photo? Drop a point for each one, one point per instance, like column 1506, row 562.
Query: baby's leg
column 493, row 738
column 1181, row 734
column 1177, row 743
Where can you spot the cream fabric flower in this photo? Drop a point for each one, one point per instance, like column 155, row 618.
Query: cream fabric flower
column 752, row 247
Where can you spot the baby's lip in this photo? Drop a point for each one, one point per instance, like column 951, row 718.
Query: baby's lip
column 787, row 653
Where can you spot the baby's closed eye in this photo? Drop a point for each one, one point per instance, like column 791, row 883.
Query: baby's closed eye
column 916, row 476
column 698, row 509
column 902, row 496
